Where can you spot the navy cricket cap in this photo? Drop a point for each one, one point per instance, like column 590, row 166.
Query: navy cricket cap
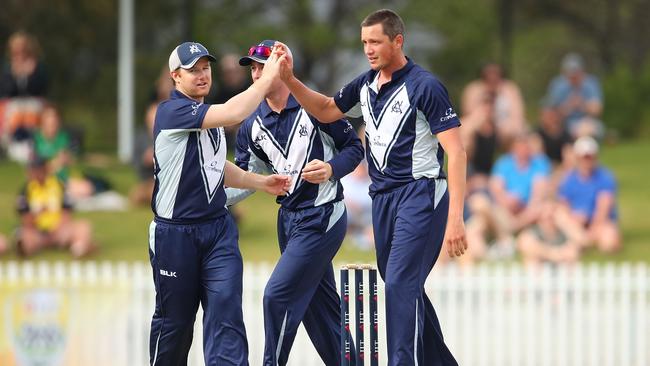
column 185, row 55
column 259, row 53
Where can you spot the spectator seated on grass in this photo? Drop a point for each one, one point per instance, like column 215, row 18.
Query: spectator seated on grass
column 507, row 104
column 551, row 239
column 516, row 188
column 46, row 216
column 23, row 87
column 576, row 95
column 53, row 144
column 589, row 193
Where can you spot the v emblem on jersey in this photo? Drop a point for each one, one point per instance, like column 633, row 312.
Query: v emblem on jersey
column 212, row 156
column 382, row 132
column 291, row 159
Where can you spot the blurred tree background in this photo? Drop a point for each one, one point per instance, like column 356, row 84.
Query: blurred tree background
column 452, row 38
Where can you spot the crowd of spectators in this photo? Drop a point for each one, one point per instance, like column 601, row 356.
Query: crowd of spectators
column 32, row 134
column 536, row 190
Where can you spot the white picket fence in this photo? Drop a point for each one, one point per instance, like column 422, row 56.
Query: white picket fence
column 99, row 314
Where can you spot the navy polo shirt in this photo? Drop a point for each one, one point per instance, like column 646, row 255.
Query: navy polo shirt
column 285, row 142
column 402, row 120
column 188, row 163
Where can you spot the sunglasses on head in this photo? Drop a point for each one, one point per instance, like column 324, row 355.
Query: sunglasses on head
column 262, row 51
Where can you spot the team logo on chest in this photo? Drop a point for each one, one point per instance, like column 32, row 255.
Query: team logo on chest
column 397, row 107
column 303, row 130
column 291, row 158
column 384, row 130
column 212, row 157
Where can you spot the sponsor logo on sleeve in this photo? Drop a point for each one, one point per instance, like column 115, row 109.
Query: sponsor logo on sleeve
column 449, row 114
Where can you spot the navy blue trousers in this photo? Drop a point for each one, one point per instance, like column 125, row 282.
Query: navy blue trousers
column 302, row 286
column 192, row 264
column 409, row 226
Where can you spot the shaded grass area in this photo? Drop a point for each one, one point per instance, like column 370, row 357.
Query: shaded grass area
column 123, row 235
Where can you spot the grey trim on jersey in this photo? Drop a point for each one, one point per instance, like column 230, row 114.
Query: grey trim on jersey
column 170, row 154
column 338, row 210
column 152, row 237
column 425, row 150
column 328, row 189
column 441, row 188
column 281, row 339
column 236, row 195
column 355, row 111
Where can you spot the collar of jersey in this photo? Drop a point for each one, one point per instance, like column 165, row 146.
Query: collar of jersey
column 397, row 75
column 266, row 111
column 175, row 94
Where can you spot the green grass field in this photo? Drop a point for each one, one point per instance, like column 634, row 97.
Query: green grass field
column 123, row 235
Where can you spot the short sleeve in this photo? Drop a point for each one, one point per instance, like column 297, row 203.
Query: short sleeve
column 607, row 182
column 180, row 114
column 348, row 98
column 499, row 169
column 435, row 105
column 592, row 90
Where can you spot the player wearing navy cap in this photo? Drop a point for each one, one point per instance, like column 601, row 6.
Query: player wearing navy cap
column 410, row 124
column 281, row 137
column 193, row 245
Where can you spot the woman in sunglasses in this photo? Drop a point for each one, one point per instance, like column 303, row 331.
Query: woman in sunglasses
column 281, row 137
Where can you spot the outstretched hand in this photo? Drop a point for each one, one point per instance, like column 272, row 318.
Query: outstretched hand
column 277, row 185
column 286, row 64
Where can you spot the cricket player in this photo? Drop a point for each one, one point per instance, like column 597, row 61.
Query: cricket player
column 410, row 124
column 281, row 137
column 193, row 244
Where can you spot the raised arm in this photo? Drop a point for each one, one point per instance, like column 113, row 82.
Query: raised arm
column 237, row 108
column 318, row 105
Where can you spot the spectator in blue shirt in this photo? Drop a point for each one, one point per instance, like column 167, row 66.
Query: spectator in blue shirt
column 519, row 181
column 578, row 98
column 589, row 192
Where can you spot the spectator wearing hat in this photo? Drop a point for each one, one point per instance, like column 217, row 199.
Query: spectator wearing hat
column 46, row 216
column 589, row 193
column 578, row 98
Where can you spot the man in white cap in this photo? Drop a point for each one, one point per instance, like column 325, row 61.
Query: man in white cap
column 193, row 240
column 589, row 192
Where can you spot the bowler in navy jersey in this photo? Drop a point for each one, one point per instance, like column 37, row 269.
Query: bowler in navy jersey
column 281, row 137
column 410, row 124
column 193, row 245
